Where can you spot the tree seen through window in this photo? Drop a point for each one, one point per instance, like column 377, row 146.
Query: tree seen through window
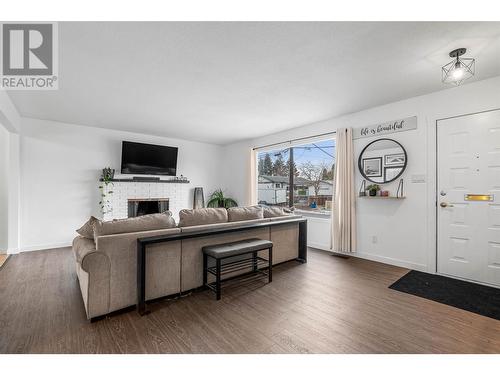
column 312, row 168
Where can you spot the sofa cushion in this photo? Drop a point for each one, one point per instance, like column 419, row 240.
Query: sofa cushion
column 87, row 229
column 82, row 246
column 276, row 211
column 245, row 213
column 202, row 216
column 134, row 224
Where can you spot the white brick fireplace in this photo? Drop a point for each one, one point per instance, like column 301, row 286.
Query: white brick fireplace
column 176, row 192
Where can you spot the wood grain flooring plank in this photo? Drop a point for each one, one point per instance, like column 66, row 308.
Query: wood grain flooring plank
column 329, row 305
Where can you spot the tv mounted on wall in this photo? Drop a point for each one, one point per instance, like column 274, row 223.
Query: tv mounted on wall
column 141, row 158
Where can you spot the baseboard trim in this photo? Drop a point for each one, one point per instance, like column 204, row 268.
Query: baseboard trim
column 392, row 261
column 45, row 247
column 320, row 246
column 13, row 251
column 383, row 259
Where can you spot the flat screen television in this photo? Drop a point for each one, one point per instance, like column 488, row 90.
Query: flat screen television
column 141, row 158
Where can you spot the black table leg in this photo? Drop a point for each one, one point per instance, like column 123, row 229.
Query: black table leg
column 254, row 261
column 270, row 269
column 205, row 271
column 217, row 278
column 302, row 242
column 141, row 279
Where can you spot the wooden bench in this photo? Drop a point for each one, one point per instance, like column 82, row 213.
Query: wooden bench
column 224, row 264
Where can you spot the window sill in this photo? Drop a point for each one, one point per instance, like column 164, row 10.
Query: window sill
column 317, row 214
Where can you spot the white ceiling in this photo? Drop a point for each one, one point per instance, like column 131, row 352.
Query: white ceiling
column 221, row 82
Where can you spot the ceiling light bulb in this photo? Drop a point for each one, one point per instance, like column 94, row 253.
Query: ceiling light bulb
column 458, row 73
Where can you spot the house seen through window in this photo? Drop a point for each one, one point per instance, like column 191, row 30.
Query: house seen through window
column 307, row 168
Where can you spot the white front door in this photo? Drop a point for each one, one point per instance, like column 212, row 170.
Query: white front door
column 468, row 197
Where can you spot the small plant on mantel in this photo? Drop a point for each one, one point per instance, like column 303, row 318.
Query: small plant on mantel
column 372, row 189
column 107, row 183
column 217, row 199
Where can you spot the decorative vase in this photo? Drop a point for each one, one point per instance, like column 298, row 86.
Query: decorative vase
column 373, row 193
column 362, row 189
column 199, row 200
column 108, row 173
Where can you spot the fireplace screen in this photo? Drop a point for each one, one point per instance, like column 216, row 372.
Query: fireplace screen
column 139, row 207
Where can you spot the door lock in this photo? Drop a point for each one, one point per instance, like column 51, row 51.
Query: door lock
column 444, row 204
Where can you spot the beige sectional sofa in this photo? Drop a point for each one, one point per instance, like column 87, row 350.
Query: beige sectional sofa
column 106, row 252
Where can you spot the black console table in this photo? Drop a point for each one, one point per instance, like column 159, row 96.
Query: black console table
column 152, row 181
column 142, row 244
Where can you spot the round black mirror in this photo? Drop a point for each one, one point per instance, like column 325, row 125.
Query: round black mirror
column 382, row 161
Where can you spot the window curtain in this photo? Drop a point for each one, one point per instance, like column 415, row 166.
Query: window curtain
column 252, row 194
column 343, row 213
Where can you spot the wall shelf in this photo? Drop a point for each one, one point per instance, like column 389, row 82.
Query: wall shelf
column 151, row 181
column 379, row 197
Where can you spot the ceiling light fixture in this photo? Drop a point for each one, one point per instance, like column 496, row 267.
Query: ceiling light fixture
column 459, row 69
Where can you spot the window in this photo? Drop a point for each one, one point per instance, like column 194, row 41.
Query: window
column 308, row 168
column 313, row 184
column 273, row 177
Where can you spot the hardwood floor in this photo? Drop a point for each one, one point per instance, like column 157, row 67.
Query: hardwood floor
column 3, row 259
column 329, row 305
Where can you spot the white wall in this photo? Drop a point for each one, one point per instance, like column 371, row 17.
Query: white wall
column 4, row 189
column 60, row 168
column 14, row 183
column 9, row 117
column 406, row 229
column 10, row 122
column 319, row 231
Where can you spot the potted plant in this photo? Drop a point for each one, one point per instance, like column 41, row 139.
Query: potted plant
column 372, row 189
column 217, row 199
column 108, row 174
column 106, row 190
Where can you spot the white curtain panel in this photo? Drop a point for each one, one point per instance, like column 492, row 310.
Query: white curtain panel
column 344, row 213
column 252, row 194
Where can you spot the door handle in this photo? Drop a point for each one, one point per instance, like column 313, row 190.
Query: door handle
column 479, row 197
column 444, row 204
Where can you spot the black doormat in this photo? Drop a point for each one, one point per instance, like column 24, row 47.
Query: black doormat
column 479, row 299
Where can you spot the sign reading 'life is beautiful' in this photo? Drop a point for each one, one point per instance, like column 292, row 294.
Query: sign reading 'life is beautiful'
column 402, row 125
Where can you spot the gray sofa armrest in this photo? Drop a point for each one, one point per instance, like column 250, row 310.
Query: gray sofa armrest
column 81, row 247
column 163, row 263
column 93, row 269
column 96, row 283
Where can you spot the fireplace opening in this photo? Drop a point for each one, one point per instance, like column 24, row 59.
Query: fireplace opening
column 139, row 207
